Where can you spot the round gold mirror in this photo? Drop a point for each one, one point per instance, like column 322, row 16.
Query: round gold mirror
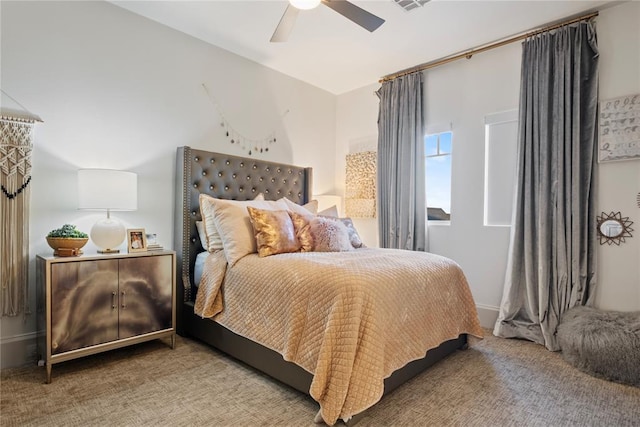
column 613, row 228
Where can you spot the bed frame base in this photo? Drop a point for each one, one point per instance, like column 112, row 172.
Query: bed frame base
column 251, row 353
column 272, row 363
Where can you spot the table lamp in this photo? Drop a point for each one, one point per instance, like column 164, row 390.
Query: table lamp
column 107, row 190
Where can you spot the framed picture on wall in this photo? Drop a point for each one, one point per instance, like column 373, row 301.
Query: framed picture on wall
column 136, row 240
column 619, row 129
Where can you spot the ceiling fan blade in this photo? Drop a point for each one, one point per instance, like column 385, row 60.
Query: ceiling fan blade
column 358, row 15
column 281, row 34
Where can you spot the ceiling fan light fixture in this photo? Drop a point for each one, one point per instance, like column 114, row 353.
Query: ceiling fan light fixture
column 304, row 4
column 356, row 14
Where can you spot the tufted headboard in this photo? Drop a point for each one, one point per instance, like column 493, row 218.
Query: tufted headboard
column 225, row 177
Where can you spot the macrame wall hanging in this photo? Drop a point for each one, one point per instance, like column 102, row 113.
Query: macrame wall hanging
column 251, row 146
column 16, row 144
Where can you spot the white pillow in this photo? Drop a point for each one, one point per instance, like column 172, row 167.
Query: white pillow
column 212, row 240
column 330, row 211
column 305, row 210
column 203, row 237
column 232, row 221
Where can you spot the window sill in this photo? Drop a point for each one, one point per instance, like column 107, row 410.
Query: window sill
column 438, row 223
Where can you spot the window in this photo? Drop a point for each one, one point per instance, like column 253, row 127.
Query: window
column 501, row 134
column 437, row 150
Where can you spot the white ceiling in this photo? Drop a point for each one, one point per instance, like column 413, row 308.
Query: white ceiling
column 330, row 52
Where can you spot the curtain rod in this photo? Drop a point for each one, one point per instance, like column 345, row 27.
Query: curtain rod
column 468, row 54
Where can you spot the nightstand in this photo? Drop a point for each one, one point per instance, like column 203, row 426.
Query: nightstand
column 98, row 302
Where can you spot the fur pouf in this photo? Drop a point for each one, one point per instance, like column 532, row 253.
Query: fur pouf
column 605, row 344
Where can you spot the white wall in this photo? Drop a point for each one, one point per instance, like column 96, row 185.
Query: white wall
column 118, row 91
column 462, row 93
column 619, row 182
column 357, row 130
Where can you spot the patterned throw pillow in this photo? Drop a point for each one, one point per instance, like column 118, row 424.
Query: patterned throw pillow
column 354, row 237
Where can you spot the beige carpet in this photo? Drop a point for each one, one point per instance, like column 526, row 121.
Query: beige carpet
column 496, row 382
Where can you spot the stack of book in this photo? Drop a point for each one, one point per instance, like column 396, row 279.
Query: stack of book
column 152, row 243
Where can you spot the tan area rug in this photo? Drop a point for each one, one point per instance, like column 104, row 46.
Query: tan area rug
column 496, row 382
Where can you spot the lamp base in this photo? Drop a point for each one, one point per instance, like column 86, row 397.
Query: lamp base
column 108, row 251
column 107, row 234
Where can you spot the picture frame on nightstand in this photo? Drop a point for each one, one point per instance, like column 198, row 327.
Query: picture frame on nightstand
column 136, row 240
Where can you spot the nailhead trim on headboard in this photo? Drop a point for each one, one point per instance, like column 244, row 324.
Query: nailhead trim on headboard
column 226, row 177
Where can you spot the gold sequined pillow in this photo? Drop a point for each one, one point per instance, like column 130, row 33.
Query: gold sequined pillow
column 274, row 231
column 303, row 231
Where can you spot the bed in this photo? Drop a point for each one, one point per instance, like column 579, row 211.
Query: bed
column 229, row 177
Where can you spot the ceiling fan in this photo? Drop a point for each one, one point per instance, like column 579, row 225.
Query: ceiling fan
column 345, row 8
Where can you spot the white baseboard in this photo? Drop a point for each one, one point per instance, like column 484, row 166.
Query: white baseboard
column 487, row 315
column 18, row 350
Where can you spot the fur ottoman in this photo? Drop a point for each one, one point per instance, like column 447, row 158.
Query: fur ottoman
column 605, row 344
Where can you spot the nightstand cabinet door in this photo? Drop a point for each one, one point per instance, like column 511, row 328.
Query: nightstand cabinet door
column 84, row 308
column 146, row 295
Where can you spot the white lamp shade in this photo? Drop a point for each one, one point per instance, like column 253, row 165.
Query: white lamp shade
column 104, row 189
column 304, row 4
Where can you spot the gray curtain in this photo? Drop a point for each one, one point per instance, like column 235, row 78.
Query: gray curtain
column 401, row 186
column 552, row 264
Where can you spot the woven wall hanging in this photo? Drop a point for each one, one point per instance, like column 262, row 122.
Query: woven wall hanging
column 16, row 144
column 360, row 188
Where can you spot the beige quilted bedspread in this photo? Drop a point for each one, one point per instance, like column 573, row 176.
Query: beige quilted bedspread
column 349, row 318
